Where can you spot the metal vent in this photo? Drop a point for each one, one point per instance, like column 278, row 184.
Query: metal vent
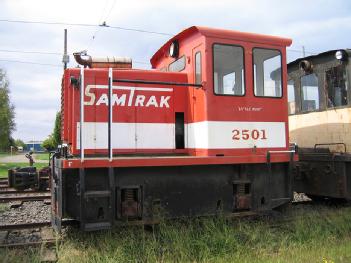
column 241, row 196
column 130, row 203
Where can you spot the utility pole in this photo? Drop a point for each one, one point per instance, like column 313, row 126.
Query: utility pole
column 65, row 58
column 303, row 51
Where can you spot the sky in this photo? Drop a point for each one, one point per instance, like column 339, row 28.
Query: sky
column 35, row 88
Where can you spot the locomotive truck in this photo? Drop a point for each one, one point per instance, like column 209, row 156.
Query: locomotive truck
column 205, row 131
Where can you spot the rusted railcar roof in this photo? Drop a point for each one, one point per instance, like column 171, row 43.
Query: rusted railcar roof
column 320, row 55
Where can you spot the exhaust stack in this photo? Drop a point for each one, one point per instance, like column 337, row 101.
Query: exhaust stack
column 86, row 60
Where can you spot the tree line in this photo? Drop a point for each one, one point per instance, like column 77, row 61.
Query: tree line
column 7, row 114
column 54, row 139
column 7, row 121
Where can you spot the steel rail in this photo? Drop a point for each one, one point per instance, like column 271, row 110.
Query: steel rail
column 20, row 226
column 24, row 225
column 13, row 191
column 4, row 199
column 50, row 242
column 4, row 181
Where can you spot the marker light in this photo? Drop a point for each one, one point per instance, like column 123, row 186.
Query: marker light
column 339, row 55
column 174, row 49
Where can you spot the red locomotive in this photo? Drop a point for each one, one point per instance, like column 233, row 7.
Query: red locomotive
column 204, row 132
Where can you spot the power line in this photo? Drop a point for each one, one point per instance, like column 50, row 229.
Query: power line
column 30, row 62
column 97, row 27
column 103, row 11
column 103, row 24
column 85, row 25
column 300, row 51
column 30, row 52
column 112, row 7
column 141, row 62
column 54, row 65
column 57, row 53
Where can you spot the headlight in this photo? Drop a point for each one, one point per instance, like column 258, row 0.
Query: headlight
column 339, row 55
column 174, row 49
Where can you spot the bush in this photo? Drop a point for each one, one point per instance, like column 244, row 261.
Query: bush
column 49, row 144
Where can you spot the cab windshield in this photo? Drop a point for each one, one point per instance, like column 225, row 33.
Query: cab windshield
column 267, row 72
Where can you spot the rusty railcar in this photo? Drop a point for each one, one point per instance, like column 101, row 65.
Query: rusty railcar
column 320, row 123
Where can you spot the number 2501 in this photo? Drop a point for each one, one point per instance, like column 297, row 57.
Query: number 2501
column 247, row 134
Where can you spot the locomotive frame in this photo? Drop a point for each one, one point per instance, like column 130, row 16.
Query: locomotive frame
column 211, row 148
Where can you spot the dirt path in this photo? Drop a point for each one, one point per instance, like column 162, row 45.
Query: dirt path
column 18, row 158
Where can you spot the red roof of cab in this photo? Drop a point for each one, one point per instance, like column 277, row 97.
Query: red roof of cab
column 222, row 33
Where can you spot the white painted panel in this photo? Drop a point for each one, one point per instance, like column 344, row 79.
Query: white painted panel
column 219, row 135
column 200, row 135
column 155, row 136
column 149, row 136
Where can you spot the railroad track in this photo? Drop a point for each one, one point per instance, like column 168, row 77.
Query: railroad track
column 9, row 227
column 23, row 197
column 42, row 231
column 47, row 236
column 14, row 191
column 4, row 182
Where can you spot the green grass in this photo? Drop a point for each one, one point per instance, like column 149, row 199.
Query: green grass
column 316, row 235
column 5, row 166
column 36, row 156
column 4, row 154
column 41, row 156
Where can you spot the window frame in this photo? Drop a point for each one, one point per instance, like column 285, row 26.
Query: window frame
column 176, row 60
column 326, row 93
column 281, row 73
column 320, row 108
column 244, row 68
column 287, row 95
column 198, row 53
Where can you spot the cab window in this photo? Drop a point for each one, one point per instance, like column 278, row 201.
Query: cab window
column 310, row 93
column 228, row 70
column 198, row 77
column 336, row 86
column 267, row 72
column 177, row 65
column 291, row 97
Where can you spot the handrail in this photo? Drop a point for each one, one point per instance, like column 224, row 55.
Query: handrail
column 110, row 121
column 81, row 114
column 332, row 143
column 157, row 82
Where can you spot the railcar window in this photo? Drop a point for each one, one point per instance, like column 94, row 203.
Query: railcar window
column 228, row 70
column 291, row 97
column 336, row 86
column 267, row 72
column 177, row 65
column 198, row 77
column 310, row 94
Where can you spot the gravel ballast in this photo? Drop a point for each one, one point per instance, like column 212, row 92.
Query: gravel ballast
column 28, row 212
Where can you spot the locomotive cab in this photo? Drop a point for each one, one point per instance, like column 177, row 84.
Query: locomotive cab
column 240, row 106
